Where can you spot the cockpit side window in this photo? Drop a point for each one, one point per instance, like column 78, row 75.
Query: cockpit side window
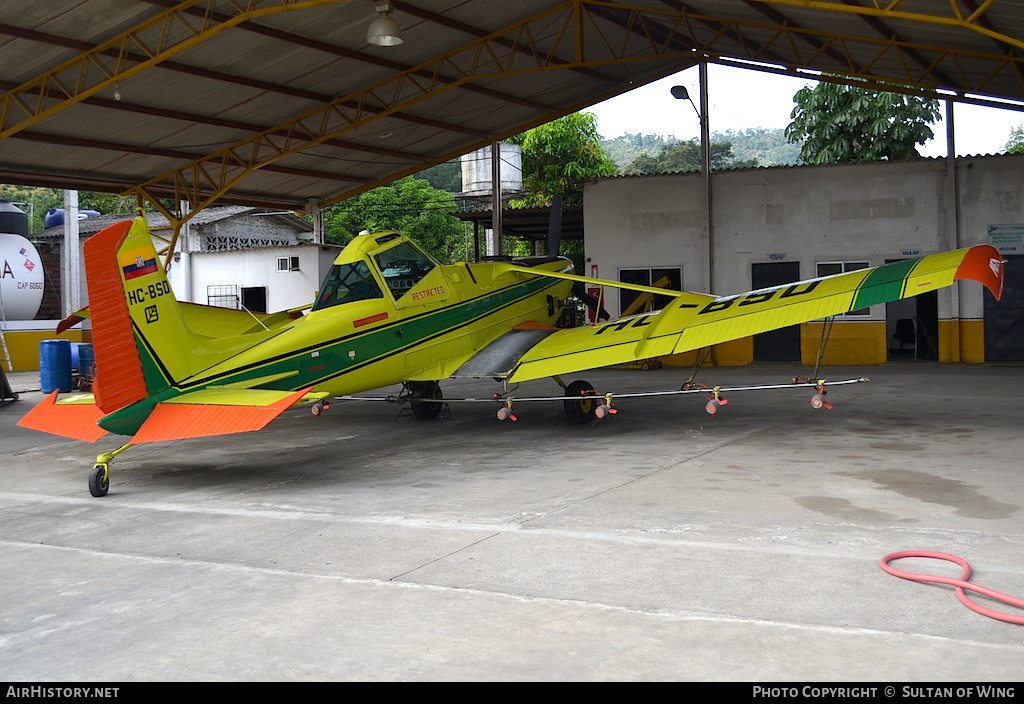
column 402, row 267
column 346, row 283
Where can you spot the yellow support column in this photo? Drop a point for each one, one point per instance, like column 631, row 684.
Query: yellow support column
column 972, row 341
column 949, row 341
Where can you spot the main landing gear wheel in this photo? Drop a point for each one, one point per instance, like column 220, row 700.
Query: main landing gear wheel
column 99, row 480
column 583, row 407
column 425, row 410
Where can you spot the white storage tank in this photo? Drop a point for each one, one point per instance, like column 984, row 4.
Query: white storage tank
column 21, row 278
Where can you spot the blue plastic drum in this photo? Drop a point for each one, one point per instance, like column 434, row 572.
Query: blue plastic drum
column 86, row 359
column 55, row 365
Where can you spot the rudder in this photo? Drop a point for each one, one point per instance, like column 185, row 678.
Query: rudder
column 134, row 314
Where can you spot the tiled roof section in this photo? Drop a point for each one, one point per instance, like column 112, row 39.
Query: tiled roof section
column 90, row 226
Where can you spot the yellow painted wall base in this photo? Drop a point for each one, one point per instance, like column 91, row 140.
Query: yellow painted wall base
column 737, row 353
column 24, row 346
column 962, row 341
column 848, row 343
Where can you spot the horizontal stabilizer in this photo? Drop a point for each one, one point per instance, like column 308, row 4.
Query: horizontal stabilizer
column 215, row 412
column 74, row 417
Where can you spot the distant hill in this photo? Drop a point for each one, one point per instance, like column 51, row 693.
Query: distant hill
column 767, row 146
column 625, row 148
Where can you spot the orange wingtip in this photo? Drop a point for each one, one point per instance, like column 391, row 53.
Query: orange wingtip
column 176, row 421
column 73, row 420
column 983, row 264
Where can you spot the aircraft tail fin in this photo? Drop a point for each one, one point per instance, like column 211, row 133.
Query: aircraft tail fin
column 134, row 314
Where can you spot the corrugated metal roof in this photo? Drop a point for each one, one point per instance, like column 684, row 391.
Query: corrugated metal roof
column 290, row 102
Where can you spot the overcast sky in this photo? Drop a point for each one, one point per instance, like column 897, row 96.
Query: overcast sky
column 742, row 98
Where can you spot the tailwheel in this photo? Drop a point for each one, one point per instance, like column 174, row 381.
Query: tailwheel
column 425, row 410
column 99, row 479
column 581, row 402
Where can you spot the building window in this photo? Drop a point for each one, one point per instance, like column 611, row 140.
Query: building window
column 630, row 302
column 287, row 263
column 830, row 268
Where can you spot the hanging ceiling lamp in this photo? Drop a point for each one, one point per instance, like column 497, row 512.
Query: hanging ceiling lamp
column 384, row 31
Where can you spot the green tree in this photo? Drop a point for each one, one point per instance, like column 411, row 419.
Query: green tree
column 680, row 157
column 446, row 176
column 42, row 199
column 839, row 123
column 1015, row 144
column 764, row 146
column 558, row 155
column 625, row 148
column 409, row 205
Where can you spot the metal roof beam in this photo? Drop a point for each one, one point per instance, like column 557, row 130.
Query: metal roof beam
column 202, row 181
column 955, row 18
column 231, row 124
column 159, row 38
column 883, row 30
column 42, row 138
column 334, row 50
column 187, row 69
column 479, row 33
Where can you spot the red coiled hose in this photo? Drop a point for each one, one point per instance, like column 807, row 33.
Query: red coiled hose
column 960, row 584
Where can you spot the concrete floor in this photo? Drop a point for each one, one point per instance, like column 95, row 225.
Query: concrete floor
column 661, row 544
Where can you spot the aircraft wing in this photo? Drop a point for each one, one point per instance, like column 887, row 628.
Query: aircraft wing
column 692, row 321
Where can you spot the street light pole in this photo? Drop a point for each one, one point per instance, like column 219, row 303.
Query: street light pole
column 680, row 93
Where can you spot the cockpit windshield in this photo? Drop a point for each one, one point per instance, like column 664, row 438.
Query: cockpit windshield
column 402, row 267
column 346, row 283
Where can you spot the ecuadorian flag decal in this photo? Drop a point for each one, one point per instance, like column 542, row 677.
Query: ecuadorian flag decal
column 137, row 262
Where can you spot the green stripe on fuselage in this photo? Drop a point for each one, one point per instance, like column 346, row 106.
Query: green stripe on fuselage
column 884, row 284
column 383, row 342
column 369, row 347
column 373, row 345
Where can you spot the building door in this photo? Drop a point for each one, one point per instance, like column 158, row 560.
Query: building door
column 254, row 298
column 1004, row 319
column 912, row 326
column 781, row 345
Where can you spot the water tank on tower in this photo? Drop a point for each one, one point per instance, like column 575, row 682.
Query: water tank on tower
column 477, row 177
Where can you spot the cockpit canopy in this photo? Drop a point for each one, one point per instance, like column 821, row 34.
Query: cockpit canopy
column 400, row 266
column 403, row 266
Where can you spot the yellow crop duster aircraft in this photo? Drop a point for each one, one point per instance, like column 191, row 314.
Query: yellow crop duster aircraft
column 387, row 313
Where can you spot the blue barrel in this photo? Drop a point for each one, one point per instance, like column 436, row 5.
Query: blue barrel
column 55, row 365
column 86, row 359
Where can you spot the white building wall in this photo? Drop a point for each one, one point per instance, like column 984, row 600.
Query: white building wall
column 991, row 191
column 873, row 211
column 258, row 267
column 864, row 212
column 643, row 222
